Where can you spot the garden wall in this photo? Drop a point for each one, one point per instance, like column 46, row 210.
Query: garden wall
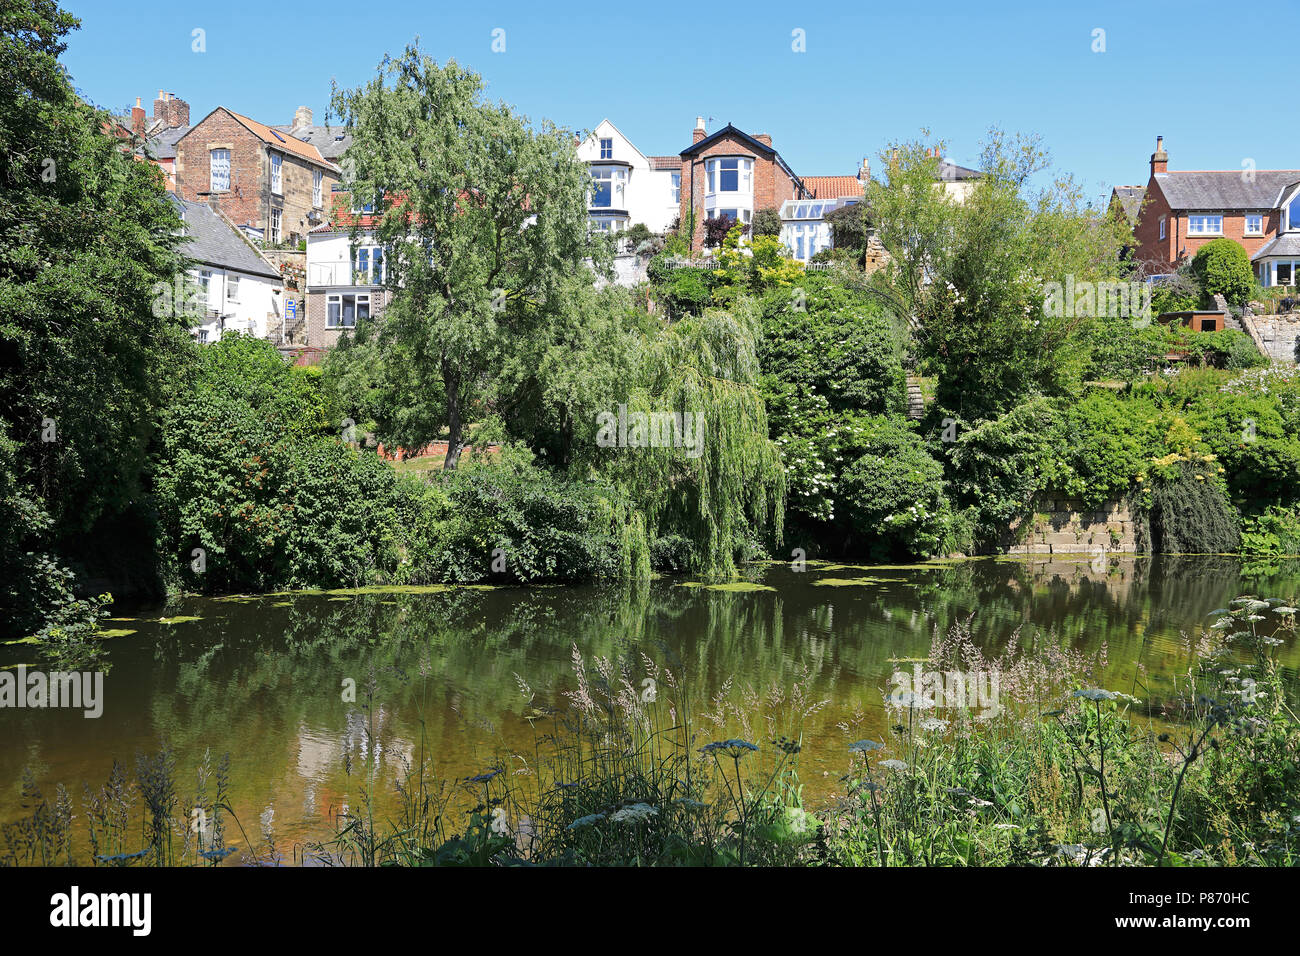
column 1063, row 526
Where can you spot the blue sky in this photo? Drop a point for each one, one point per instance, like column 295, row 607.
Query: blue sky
column 867, row 77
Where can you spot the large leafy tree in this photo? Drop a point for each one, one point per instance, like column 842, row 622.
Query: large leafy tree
column 969, row 272
column 484, row 220
column 86, row 232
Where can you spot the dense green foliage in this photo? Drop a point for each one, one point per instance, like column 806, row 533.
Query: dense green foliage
column 1222, row 267
column 85, row 233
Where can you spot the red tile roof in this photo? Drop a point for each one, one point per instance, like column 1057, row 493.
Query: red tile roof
column 832, row 187
column 290, row 144
column 665, row 162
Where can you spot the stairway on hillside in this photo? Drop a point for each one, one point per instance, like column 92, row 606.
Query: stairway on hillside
column 915, row 398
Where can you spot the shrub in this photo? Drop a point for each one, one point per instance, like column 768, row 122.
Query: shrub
column 687, row 291
column 849, row 228
column 1222, row 267
column 547, row 527
column 894, row 493
column 766, row 222
column 716, row 229
column 1189, row 512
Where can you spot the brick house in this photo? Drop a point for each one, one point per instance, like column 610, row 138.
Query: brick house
column 1182, row 210
column 272, row 184
column 731, row 173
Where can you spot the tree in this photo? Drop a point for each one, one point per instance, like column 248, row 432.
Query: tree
column 767, row 222
column 1222, row 267
column 970, row 273
column 86, row 236
column 484, row 218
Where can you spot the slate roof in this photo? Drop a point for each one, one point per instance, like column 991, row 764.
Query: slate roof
column 163, row 143
column 331, row 141
column 213, row 242
column 1130, row 200
column 1223, row 190
column 1286, row 244
column 950, row 172
column 832, row 187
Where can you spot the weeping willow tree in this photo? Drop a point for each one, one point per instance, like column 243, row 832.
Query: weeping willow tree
column 688, row 441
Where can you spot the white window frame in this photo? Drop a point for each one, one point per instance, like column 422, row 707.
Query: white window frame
column 219, row 183
column 373, row 254
column 1257, row 231
column 232, row 289
column 336, row 299
column 277, row 221
column 277, row 174
column 1201, row 224
column 616, row 178
column 1163, row 224
column 317, row 187
column 676, row 183
column 744, row 176
column 607, row 147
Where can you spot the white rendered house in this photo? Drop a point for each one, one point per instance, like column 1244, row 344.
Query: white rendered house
column 240, row 290
column 629, row 187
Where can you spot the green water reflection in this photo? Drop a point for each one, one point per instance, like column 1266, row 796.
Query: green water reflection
column 262, row 677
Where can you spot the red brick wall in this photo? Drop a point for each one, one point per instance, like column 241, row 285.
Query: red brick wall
column 1163, row 255
column 772, row 185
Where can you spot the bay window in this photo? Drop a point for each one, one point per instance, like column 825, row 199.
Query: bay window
column 729, row 175
column 607, row 187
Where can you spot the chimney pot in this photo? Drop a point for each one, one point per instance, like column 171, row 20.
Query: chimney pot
column 1160, row 158
column 698, row 133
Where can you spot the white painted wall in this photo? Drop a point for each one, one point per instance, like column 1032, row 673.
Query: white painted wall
column 329, row 260
column 648, row 195
column 257, row 310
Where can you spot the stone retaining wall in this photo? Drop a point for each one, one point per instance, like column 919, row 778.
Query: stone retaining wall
column 1275, row 334
column 1062, row 526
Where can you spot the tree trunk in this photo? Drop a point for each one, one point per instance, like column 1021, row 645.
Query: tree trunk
column 455, row 427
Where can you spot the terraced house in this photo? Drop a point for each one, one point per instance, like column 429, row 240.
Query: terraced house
column 272, row 184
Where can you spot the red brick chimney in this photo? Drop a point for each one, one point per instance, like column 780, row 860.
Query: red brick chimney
column 1159, row 159
column 137, row 118
column 764, row 138
column 698, row 133
column 864, row 173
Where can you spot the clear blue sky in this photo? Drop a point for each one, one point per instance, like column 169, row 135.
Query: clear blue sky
column 871, row 73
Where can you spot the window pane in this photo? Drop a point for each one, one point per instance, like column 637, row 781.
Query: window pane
column 730, row 178
column 332, row 311
column 349, row 311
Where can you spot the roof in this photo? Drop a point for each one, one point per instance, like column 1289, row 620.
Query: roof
column 331, row 141
column 1130, row 200
column 163, row 143
column 273, row 137
column 950, row 172
column 214, row 242
column 1285, row 244
column 756, row 145
column 665, row 162
column 1229, row 189
column 832, row 187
